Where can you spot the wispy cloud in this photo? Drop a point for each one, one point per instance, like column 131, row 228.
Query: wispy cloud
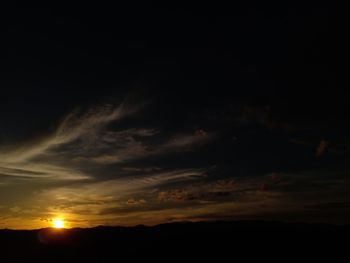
column 96, row 197
column 127, row 147
column 101, row 165
column 74, row 127
column 38, row 158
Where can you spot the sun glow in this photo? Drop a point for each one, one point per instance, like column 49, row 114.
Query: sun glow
column 58, row 223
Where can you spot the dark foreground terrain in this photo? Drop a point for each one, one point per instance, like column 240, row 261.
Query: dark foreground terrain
column 219, row 241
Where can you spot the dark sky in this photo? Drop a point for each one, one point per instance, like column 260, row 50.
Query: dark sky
column 146, row 113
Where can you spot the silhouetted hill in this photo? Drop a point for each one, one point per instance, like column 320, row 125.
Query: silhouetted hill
column 220, row 240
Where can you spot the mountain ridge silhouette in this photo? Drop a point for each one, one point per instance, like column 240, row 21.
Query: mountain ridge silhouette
column 174, row 240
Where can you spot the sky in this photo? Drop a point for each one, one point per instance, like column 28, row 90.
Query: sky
column 150, row 114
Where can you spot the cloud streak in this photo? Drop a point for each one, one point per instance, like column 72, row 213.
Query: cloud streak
column 89, row 164
column 102, row 166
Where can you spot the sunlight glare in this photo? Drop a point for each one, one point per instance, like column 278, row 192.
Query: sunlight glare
column 58, row 223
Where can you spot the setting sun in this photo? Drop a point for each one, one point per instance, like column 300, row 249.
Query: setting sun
column 58, row 223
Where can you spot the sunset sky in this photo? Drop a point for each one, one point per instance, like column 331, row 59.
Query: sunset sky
column 155, row 114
